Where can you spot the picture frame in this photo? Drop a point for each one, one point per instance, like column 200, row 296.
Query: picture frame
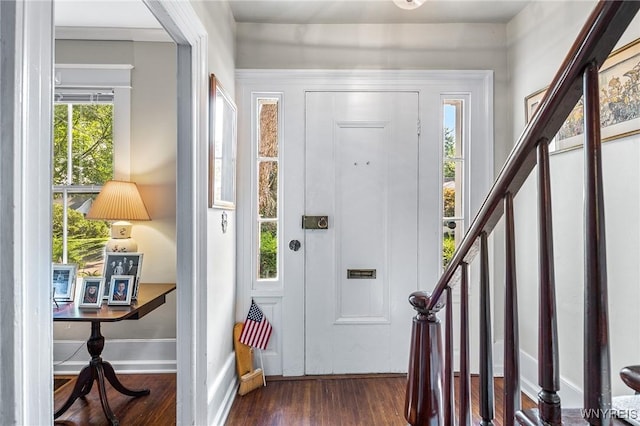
column 532, row 102
column 619, row 101
column 91, row 291
column 63, row 280
column 222, row 147
column 116, row 263
column 121, row 290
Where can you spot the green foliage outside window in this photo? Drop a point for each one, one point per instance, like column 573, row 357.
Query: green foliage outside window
column 85, row 238
column 449, row 152
column 449, row 195
column 448, row 248
column 268, row 267
column 92, row 156
column 91, row 163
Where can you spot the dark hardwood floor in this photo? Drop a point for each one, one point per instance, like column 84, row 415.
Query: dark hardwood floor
column 312, row 400
column 158, row 408
column 332, row 401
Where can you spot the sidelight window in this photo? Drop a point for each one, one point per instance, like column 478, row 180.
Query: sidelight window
column 267, row 199
column 453, row 178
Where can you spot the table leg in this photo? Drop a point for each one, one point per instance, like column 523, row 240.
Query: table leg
column 98, row 370
column 103, row 396
column 82, row 387
column 110, row 374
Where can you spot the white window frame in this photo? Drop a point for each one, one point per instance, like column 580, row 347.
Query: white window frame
column 116, row 77
column 265, row 283
column 463, row 150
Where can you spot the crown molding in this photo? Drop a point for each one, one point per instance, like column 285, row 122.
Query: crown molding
column 112, row 33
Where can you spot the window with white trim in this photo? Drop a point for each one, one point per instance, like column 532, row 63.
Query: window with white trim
column 267, row 205
column 84, row 157
column 453, row 177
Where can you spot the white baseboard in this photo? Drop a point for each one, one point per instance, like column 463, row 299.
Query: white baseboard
column 222, row 392
column 498, row 358
column 571, row 396
column 125, row 355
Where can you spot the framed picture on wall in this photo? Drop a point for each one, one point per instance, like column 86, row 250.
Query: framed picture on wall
column 222, row 147
column 619, row 79
column 532, row 102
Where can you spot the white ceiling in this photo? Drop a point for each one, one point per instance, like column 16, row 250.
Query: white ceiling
column 75, row 18
column 103, row 13
column 373, row 11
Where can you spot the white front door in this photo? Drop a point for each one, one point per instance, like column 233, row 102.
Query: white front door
column 361, row 171
column 385, row 216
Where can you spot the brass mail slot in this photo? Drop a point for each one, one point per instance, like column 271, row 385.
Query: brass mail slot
column 361, row 274
column 315, row 222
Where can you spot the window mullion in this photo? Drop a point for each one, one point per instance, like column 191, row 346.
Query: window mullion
column 65, row 225
column 69, row 147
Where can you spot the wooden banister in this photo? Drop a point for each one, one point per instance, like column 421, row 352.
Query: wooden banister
column 511, row 396
column 549, row 371
column 449, row 405
column 597, row 371
column 594, row 43
column 486, row 341
column 465, row 372
column 424, row 401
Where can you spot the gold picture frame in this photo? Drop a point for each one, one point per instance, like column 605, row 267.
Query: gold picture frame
column 619, row 81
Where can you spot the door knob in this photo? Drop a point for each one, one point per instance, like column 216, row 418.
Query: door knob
column 294, row 245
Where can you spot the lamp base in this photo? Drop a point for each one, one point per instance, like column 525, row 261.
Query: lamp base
column 121, row 245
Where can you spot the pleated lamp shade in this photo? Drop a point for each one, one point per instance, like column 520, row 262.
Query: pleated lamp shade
column 120, row 201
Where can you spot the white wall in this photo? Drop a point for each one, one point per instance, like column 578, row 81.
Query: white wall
column 221, row 247
column 538, row 40
column 152, row 166
column 383, row 46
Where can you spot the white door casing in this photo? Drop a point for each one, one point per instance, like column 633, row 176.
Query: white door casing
column 361, row 169
column 284, row 300
column 27, row 329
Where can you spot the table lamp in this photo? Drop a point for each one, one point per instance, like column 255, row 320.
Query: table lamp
column 119, row 201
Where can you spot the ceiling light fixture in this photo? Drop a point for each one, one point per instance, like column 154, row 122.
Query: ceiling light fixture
column 408, row 4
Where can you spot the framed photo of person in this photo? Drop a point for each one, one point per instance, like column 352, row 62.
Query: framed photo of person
column 91, row 292
column 129, row 264
column 63, row 281
column 121, row 289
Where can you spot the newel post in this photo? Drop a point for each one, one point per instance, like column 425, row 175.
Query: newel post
column 424, row 399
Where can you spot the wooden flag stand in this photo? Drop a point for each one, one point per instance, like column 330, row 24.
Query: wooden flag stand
column 250, row 379
column 264, row 381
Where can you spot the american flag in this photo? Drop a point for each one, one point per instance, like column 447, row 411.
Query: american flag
column 256, row 330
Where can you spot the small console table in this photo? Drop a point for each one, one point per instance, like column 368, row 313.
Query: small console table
column 150, row 296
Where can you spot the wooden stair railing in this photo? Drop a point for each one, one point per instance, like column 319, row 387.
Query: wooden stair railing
column 430, row 396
